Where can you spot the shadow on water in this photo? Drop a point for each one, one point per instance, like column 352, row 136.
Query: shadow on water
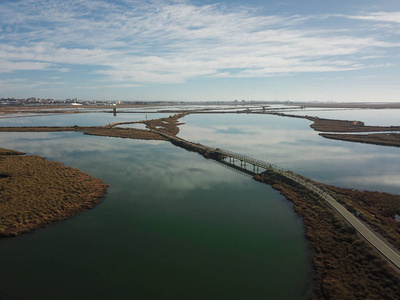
column 238, row 169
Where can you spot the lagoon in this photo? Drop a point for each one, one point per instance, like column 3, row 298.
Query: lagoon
column 173, row 225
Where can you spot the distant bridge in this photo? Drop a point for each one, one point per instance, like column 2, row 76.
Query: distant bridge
column 229, row 158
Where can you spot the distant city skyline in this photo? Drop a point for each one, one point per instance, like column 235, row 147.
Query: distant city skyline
column 181, row 50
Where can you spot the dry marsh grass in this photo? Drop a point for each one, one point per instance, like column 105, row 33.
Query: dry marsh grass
column 382, row 139
column 35, row 192
column 168, row 125
column 129, row 133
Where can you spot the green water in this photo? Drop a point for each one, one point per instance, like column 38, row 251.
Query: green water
column 172, row 226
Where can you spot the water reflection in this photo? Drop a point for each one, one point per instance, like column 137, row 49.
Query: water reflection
column 172, row 224
column 373, row 117
column 292, row 144
column 80, row 119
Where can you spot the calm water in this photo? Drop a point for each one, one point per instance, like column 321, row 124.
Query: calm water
column 375, row 117
column 80, row 119
column 292, row 144
column 172, row 226
column 175, row 225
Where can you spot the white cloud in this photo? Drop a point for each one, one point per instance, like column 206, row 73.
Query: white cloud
column 49, row 52
column 380, row 17
column 167, row 42
column 15, row 80
column 367, row 76
column 9, row 65
column 109, row 86
column 19, row 83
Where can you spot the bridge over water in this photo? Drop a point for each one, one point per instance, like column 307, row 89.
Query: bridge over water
column 241, row 163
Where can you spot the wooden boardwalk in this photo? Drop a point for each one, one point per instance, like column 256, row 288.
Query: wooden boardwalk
column 224, row 155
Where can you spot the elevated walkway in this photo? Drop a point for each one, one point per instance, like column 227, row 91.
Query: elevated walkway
column 228, row 158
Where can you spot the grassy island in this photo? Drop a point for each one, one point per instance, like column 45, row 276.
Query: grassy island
column 35, row 192
column 382, row 139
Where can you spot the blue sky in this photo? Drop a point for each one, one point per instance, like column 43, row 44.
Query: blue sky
column 184, row 50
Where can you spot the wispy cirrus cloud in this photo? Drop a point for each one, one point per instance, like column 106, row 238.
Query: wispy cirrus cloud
column 136, row 42
column 12, row 65
column 379, row 17
column 20, row 83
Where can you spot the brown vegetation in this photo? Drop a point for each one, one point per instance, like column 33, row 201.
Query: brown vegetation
column 110, row 131
column 382, row 139
column 127, row 133
column 168, row 125
column 35, row 192
column 10, row 152
column 328, row 125
column 346, row 266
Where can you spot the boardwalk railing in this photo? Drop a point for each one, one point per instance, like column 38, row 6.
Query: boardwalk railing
column 221, row 154
column 248, row 159
column 375, row 241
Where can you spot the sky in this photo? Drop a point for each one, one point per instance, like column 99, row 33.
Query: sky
column 192, row 50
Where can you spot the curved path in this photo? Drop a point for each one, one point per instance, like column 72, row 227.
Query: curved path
column 373, row 239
